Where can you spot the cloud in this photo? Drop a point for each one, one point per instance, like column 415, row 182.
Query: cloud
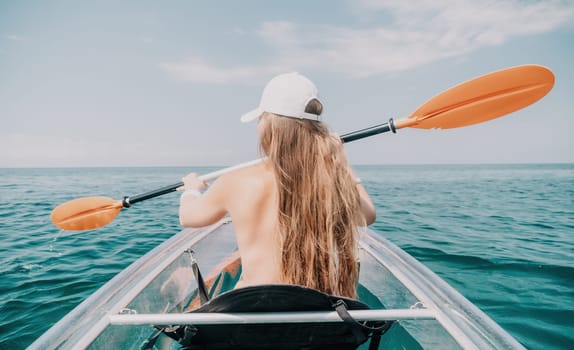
column 14, row 37
column 419, row 32
column 198, row 70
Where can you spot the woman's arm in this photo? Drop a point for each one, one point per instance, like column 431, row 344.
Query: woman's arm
column 367, row 206
column 198, row 210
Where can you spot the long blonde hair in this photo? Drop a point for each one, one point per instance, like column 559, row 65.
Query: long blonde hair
column 319, row 204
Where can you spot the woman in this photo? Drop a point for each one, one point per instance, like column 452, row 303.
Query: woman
column 297, row 214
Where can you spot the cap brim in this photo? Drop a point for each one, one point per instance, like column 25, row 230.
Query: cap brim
column 251, row 116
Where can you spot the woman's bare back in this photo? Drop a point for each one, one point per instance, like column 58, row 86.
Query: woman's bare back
column 252, row 204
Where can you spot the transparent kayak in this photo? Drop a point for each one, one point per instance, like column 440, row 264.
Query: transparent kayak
column 160, row 288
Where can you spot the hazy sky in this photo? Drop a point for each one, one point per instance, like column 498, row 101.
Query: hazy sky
column 159, row 83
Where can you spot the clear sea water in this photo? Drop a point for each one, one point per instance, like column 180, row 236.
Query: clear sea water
column 502, row 235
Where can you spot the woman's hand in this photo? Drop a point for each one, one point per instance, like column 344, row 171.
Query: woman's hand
column 192, row 182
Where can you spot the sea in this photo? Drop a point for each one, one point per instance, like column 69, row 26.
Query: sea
column 502, row 235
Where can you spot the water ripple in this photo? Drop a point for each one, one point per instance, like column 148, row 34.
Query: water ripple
column 501, row 235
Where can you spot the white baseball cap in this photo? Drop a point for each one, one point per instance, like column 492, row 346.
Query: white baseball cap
column 286, row 95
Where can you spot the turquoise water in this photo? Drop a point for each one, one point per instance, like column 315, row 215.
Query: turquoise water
column 502, row 235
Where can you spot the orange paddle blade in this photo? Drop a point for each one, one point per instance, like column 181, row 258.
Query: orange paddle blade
column 86, row 213
column 487, row 97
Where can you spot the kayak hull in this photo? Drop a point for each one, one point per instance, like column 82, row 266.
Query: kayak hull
column 160, row 287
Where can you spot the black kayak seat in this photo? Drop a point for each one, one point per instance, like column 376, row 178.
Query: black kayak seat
column 348, row 334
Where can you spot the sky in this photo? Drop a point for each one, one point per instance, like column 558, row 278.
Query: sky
column 163, row 83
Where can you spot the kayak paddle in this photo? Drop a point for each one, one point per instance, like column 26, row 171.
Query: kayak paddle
column 475, row 101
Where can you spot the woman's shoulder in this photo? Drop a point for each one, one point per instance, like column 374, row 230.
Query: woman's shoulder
column 243, row 186
column 249, row 176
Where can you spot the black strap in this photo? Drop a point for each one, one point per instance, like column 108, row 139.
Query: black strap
column 358, row 327
column 150, row 342
column 355, row 326
column 376, row 339
column 201, row 288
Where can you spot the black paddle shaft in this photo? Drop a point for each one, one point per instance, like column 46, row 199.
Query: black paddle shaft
column 373, row 130
column 352, row 136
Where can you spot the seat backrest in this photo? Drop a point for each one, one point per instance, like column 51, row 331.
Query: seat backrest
column 275, row 298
